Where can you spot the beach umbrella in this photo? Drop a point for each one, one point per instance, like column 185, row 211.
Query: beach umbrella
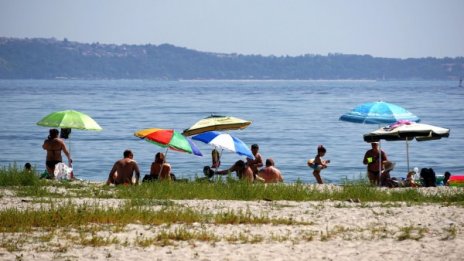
column 406, row 130
column 379, row 112
column 169, row 139
column 225, row 141
column 69, row 119
column 216, row 123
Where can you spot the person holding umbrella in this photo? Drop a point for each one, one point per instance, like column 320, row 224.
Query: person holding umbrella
column 54, row 146
column 373, row 158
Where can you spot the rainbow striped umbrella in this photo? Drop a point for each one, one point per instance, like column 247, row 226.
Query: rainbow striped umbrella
column 169, row 139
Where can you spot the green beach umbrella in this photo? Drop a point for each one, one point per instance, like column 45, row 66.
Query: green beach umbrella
column 69, row 119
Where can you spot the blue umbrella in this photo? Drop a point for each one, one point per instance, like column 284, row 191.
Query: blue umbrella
column 225, row 141
column 378, row 113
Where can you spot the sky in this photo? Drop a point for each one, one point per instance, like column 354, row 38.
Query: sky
column 381, row 28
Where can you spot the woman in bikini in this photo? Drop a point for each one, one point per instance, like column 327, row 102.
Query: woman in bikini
column 54, row 145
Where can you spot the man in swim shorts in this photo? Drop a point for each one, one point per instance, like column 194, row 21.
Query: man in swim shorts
column 372, row 159
column 123, row 170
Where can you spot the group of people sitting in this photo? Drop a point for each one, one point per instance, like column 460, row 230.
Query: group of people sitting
column 379, row 168
column 126, row 170
column 253, row 170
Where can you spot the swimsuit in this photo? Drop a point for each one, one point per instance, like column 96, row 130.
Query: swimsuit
column 51, row 163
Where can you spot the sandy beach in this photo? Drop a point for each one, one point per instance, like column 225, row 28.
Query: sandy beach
column 318, row 230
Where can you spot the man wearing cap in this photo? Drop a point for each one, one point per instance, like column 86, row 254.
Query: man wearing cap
column 372, row 159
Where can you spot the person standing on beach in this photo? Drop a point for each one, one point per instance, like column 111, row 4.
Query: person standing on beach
column 318, row 163
column 256, row 163
column 373, row 158
column 123, row 170
column 270, row 174
column 54, row 146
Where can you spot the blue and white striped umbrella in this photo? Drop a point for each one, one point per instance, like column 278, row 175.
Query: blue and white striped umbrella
column 379, row 113
column 225, row 141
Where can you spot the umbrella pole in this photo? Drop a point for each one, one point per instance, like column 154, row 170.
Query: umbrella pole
column 165, row 157
column 380, row 162
column 407, row 152
column 220, row 155
column 380, row 158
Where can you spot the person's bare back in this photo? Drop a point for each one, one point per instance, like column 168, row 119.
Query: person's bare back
column 123, row 170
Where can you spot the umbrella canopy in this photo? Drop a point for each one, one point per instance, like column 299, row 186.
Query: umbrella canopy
column 215, row 123
column 69, row 119
column 225, row 141
column 169, row 139
column 378, row 113
column 406, row 130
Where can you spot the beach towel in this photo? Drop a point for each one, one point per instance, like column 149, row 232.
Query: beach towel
column 63, row 172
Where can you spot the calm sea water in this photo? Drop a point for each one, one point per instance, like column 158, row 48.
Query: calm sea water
column 290, row 119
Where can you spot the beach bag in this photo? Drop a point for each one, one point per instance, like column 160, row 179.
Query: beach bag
column 64, row 133
column 63, row 172
column 428, row 177
column 149, row 178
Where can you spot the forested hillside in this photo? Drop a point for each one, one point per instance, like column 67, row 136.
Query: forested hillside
column 50, row 59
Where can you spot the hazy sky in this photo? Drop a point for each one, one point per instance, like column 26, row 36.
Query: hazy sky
column 383, row 28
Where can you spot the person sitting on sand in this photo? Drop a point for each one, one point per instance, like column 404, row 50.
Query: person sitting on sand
column 385, row 179
column 256, row 163
column 270, row 174
column 160, row 169
column 243, row 171
column 409, row 181
column 123, row 170
column 318, row 163
column 446, row 178
column 27, row 167
column 216, row 159
column 54, row 146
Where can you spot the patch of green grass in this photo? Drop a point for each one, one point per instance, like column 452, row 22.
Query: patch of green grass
column 68, row 215
column 411, row 232
column 450, row 232
column 221, row 188
column 13, row 175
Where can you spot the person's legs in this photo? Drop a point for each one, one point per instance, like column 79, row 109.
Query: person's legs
column 51, row 167
column 317, row 175
column 373, row 177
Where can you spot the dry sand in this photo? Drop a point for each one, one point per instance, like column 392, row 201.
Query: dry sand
column 325, row 230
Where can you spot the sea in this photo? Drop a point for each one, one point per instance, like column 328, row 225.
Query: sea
column 289, row 120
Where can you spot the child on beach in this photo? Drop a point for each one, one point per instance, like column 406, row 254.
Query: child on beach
column 318, row 163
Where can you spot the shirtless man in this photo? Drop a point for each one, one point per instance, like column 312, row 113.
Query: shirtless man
column 54, row 145
column 256, row 163
column 372, row 159
column 270, row 174
column 160, row 170
column 123, row 170
column 242, row 170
